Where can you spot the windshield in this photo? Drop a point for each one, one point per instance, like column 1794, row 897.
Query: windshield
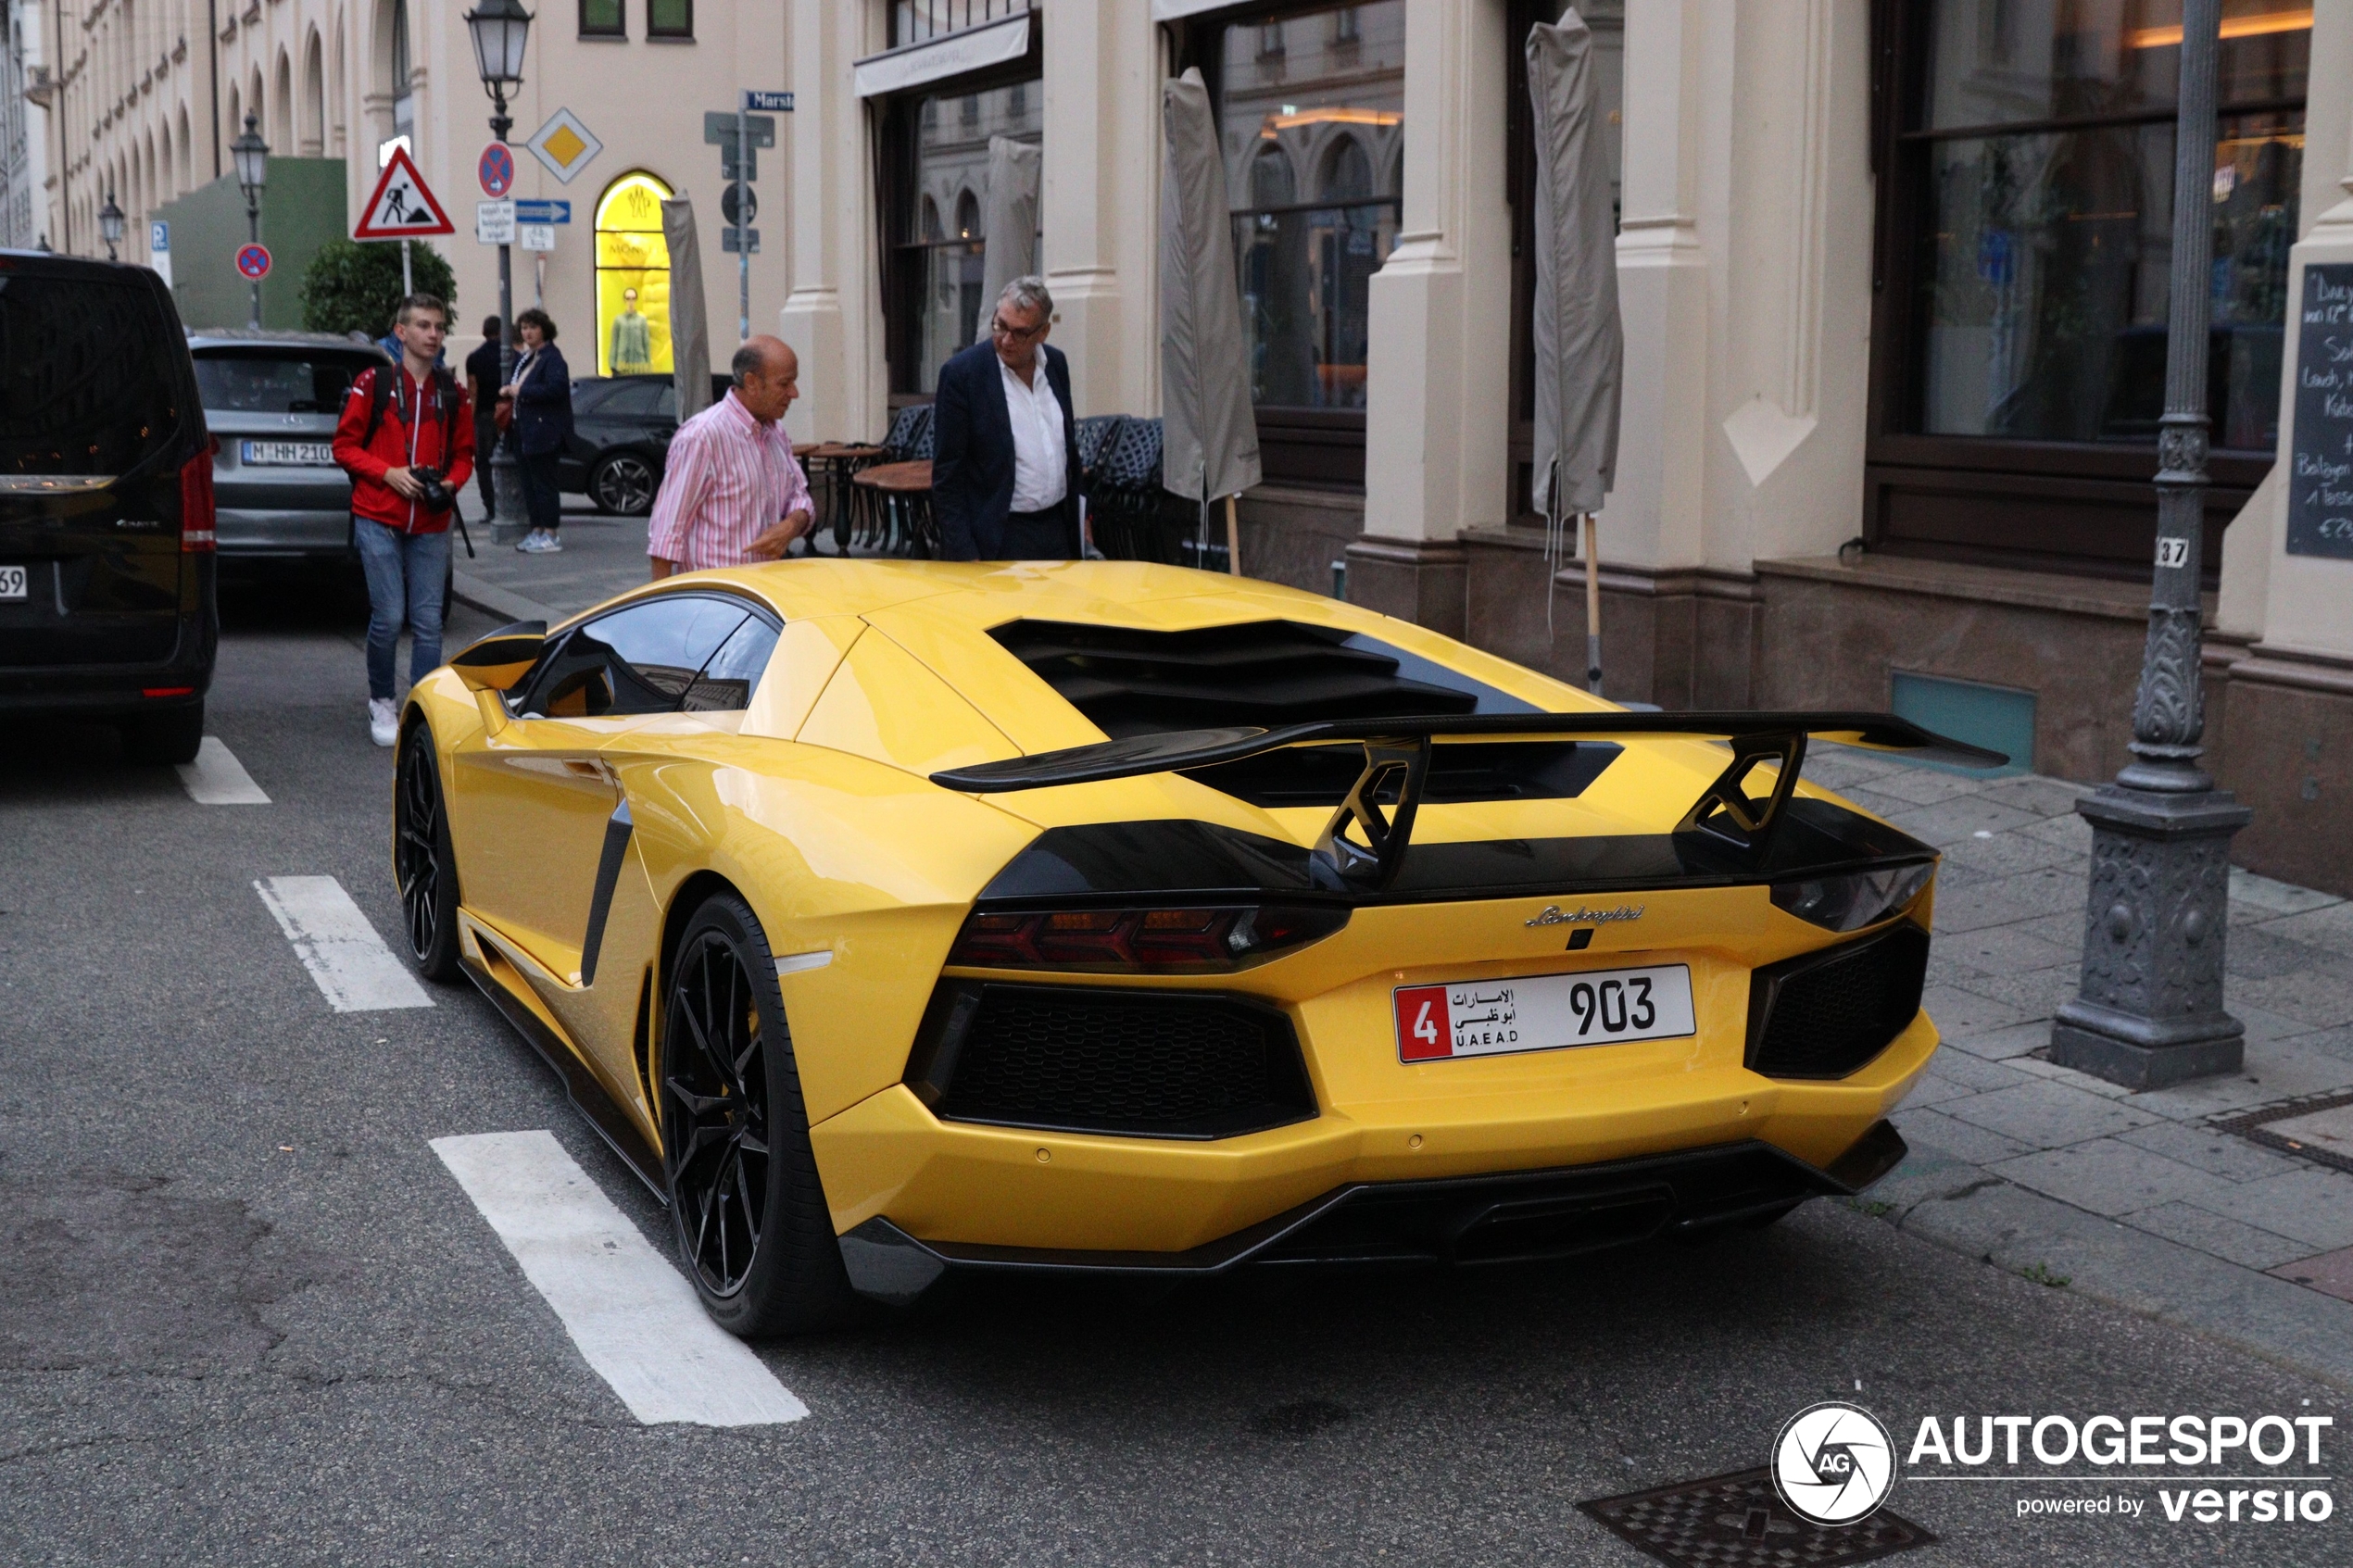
column 277, row 381
column 88, row 381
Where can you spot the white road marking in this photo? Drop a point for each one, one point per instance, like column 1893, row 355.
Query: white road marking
column 632, row 1315
column 217, row 778
column 354, row 969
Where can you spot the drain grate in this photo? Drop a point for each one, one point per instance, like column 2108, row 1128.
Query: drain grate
column 1736, row 1522
column 2276, row 1127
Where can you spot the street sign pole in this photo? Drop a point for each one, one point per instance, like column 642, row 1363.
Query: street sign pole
column 408, row 277
column 743, row 220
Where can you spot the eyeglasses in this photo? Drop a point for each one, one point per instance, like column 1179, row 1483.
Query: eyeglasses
column 997, row 328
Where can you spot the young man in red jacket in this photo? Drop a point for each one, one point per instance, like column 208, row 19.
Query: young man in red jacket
column 407, row 438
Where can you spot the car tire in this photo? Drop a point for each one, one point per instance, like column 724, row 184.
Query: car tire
column 624, row 482
column 754, row 1232
column 424, row 863
column 170, row 735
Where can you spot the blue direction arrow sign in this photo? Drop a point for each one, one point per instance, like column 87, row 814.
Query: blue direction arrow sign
column 543, row 212
column 776, row 103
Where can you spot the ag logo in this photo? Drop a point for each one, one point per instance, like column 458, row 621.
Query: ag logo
column 1833, row 1463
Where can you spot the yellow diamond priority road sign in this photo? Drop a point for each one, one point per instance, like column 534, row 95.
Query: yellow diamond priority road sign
column 564, row 144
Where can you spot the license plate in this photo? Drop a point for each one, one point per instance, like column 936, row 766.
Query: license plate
column 295, row 454
column 1545, row 1012
column 12, row 583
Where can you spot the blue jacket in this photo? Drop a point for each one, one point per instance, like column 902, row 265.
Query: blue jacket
column 972, row 467
column 543, row 409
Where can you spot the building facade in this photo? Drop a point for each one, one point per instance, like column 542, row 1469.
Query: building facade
column 150, row 93
column 1893, row 276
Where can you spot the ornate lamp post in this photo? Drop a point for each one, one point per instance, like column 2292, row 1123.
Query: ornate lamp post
column 251, row 155
column 110, row 225
column 500, row 28
column 2149, row 1009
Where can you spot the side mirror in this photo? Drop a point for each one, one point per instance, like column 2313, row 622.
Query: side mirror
column 506, row 656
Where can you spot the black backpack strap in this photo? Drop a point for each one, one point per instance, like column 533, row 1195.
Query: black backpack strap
column 444, row 387
column 379, row 397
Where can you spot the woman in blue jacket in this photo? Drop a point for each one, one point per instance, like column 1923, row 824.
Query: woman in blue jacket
column 542, row 396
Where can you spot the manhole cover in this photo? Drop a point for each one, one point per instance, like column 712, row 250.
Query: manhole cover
column 1736, row 1522
column 2317, row 1127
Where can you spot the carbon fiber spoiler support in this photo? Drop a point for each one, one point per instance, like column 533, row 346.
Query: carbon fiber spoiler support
column 1398, row 748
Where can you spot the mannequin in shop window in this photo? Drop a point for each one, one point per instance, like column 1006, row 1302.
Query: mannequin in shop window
column 633, row 339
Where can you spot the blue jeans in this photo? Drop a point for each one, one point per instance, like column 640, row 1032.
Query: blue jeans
column 405, row 575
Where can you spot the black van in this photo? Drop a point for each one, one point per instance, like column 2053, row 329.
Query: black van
column 107, row 558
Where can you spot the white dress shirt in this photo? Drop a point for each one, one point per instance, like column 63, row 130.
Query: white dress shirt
column 1041, row 471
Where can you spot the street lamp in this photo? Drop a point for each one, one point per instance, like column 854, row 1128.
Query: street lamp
column 500, row 28
column 251, row 155
column 110, row 225
column 2149, row 1011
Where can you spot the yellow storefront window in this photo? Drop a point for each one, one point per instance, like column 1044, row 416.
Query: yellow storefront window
column 633, row 278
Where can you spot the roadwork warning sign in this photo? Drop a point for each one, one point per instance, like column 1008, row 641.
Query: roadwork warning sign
column 401, row 208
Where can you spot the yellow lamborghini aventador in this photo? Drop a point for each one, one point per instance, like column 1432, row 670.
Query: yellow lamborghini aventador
column 897, row 918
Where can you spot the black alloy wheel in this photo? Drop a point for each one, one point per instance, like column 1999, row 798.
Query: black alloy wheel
column 423, row 863
column 624, row 482
column 753, row 1227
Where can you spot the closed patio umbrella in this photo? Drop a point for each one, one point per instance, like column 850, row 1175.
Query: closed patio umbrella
column 1210, row 432
column 1580, row 347
column 1008, row 221
column 689, row 323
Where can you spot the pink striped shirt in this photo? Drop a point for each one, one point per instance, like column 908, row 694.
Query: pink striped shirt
column 728, row 480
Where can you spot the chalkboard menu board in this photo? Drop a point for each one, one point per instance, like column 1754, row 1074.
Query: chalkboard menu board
column 2320, row 504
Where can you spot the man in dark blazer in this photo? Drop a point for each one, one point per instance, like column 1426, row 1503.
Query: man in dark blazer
column 1005, row 471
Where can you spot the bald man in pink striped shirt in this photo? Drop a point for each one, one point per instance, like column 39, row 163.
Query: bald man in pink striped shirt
column 731, row 491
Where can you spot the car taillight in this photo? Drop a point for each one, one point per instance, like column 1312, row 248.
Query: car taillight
column 1855, row 900
column 196, row 501
column 1160, row 941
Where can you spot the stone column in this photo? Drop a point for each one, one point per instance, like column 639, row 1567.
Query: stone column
column 1098, row 203
column 1653, row 516
column 1437, row 422
column 832, row 314
column 2288, row 745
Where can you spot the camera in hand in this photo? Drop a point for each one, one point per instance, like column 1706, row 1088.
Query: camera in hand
column 434, row 495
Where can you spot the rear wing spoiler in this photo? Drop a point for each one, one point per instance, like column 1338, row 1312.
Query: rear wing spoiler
column 1366, row 842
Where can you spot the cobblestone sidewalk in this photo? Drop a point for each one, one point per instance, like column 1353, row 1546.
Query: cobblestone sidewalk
column 2173, row 1164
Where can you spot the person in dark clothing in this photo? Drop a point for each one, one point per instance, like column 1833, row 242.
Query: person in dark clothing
column 1003, row 479
column 542, row 394
column 482, row 382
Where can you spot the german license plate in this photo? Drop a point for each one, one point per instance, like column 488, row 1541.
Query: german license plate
column 292, row 454
column 12, row 583
column 1545, row 1012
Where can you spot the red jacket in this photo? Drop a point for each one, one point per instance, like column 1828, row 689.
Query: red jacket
column 403, row 440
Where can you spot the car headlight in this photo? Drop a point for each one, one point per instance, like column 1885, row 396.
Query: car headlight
column 1856, row 899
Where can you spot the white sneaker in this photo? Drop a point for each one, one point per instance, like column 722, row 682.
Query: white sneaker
column 383, row 721
column 529, row 544
column 551, row 544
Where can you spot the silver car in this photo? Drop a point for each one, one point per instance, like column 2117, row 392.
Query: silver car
column 270, row 398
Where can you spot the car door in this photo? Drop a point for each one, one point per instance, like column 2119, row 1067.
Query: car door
column 538, row 795
column 624, row 922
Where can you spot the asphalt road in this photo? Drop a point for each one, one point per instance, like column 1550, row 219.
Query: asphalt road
column 248, row 1316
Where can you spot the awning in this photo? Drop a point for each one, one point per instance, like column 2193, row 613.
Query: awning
column 952, row 54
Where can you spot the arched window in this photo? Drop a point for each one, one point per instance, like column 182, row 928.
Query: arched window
column 282, row 105
column 931, row 221
column 314, row 97
column 633, row 278
column 1270, row 179
column 404, row 101
column 967, row 216
column 1348, row 173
